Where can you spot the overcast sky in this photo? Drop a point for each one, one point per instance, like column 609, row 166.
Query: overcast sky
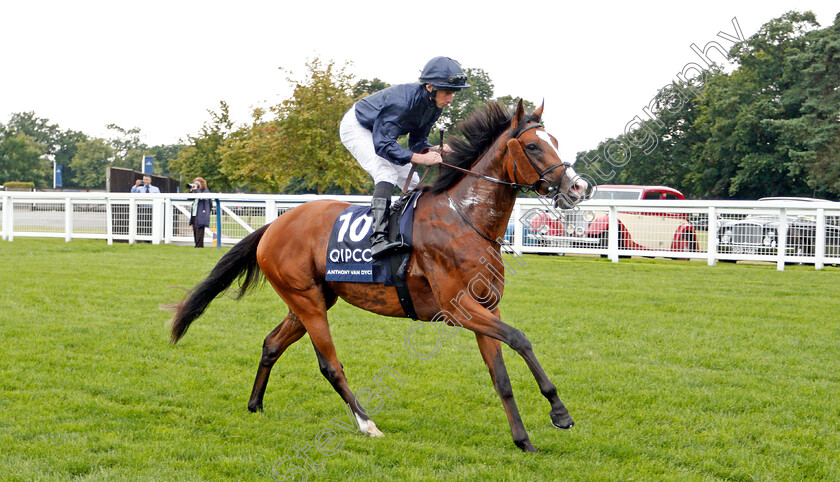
column 159, row 65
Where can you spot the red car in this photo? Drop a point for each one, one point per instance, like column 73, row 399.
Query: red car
column 637, row 230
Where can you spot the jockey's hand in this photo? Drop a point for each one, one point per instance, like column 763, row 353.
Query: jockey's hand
column 446, row 149
column 429, row 158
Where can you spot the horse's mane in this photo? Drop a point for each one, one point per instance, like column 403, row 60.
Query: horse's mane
column 472, row 138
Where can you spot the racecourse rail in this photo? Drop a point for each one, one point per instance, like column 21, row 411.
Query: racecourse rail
column 650, row 225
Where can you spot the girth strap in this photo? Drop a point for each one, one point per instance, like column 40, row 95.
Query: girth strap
column 399, row 266
column 403, row 294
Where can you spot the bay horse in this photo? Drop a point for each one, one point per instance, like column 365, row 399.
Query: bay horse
column 457, row 222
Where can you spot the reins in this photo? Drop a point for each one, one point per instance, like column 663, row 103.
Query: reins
column 525, row 187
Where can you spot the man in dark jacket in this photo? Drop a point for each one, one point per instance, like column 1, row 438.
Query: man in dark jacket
column 369, row 130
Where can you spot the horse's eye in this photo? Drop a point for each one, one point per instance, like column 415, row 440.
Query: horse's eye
column 531, row 146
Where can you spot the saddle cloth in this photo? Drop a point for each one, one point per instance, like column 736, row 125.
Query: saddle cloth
column 348, row 251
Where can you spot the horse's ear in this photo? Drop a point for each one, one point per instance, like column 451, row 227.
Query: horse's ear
column 538, row 113
column 518, row 114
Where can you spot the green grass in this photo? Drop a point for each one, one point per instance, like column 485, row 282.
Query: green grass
column 672, row 370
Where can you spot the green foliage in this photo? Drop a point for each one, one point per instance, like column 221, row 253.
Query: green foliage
column 163, row 154
column 768, row 128
column 510, row 102
column 90, row 163
column 22, row 158
column 300, row 143
column 673, row 371
column 127, row 147
column 37, row 128
column 468, row 100
column 67, row 142
column 18, row 185
column 202, row 156
column 365, row 87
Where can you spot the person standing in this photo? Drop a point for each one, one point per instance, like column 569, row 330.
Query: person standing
column 200, row 216
column 369, row 130
column 147, row 186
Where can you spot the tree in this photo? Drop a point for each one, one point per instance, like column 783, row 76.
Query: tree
column 510, row 102
column 301, row 142
column 37, row 128
column 163, row 154
column 202, row 155
column 768, row 128
column 90, row 163
column 467, row 100
column 67, row 144
column 21, row 159
column 365, row 87
column 740, row 116
column 127, row 146
column 812, row 131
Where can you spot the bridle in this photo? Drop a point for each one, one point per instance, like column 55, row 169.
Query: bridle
column 535, row 187
column 516, row 185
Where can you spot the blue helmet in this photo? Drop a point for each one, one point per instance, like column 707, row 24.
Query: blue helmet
column 445, row 74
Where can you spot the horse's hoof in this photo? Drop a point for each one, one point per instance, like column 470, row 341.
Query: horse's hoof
column 369, row 428
column 253, row 407
column 564, row 421
column 526, row 446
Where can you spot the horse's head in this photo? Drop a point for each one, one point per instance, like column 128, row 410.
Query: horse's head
column 533, row 159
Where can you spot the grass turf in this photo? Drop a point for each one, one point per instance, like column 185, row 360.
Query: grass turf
column 672, row 370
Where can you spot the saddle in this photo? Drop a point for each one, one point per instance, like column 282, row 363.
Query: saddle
column 348, row 251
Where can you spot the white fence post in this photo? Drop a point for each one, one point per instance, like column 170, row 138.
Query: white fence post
column 518, row 241
column 9, row 225
column 781, row 242
column 157, row 220
column 109, row 221
column 612, row 236
column 712, row 233
column 168, row 221
column 270, row 210
column 132, row 220
column 68, row 220
column 7, row 205
column 819, row 245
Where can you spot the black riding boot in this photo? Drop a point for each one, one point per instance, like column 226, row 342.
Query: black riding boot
column 380, row 204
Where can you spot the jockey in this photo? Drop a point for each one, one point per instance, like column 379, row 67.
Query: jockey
column 369, row 130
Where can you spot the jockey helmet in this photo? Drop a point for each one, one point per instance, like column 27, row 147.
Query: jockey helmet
column 444, row 73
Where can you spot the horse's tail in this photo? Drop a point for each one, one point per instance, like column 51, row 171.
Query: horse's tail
column 239, row 262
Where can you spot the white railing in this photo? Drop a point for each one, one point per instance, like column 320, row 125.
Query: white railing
column 783, row 232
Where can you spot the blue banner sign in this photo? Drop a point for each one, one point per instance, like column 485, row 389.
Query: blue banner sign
column 148, row 165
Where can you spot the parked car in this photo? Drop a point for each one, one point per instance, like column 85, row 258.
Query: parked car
column 758, row 233
column 636, row 230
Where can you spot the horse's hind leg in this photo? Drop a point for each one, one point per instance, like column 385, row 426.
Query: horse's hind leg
column 287, row 332
column 339, row 383
column 491, row 351
column 311, row 307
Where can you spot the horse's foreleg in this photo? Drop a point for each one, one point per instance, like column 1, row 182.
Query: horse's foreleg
column 287, row 332
column 486, row 323
column 560, row 417
column 491, row 351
